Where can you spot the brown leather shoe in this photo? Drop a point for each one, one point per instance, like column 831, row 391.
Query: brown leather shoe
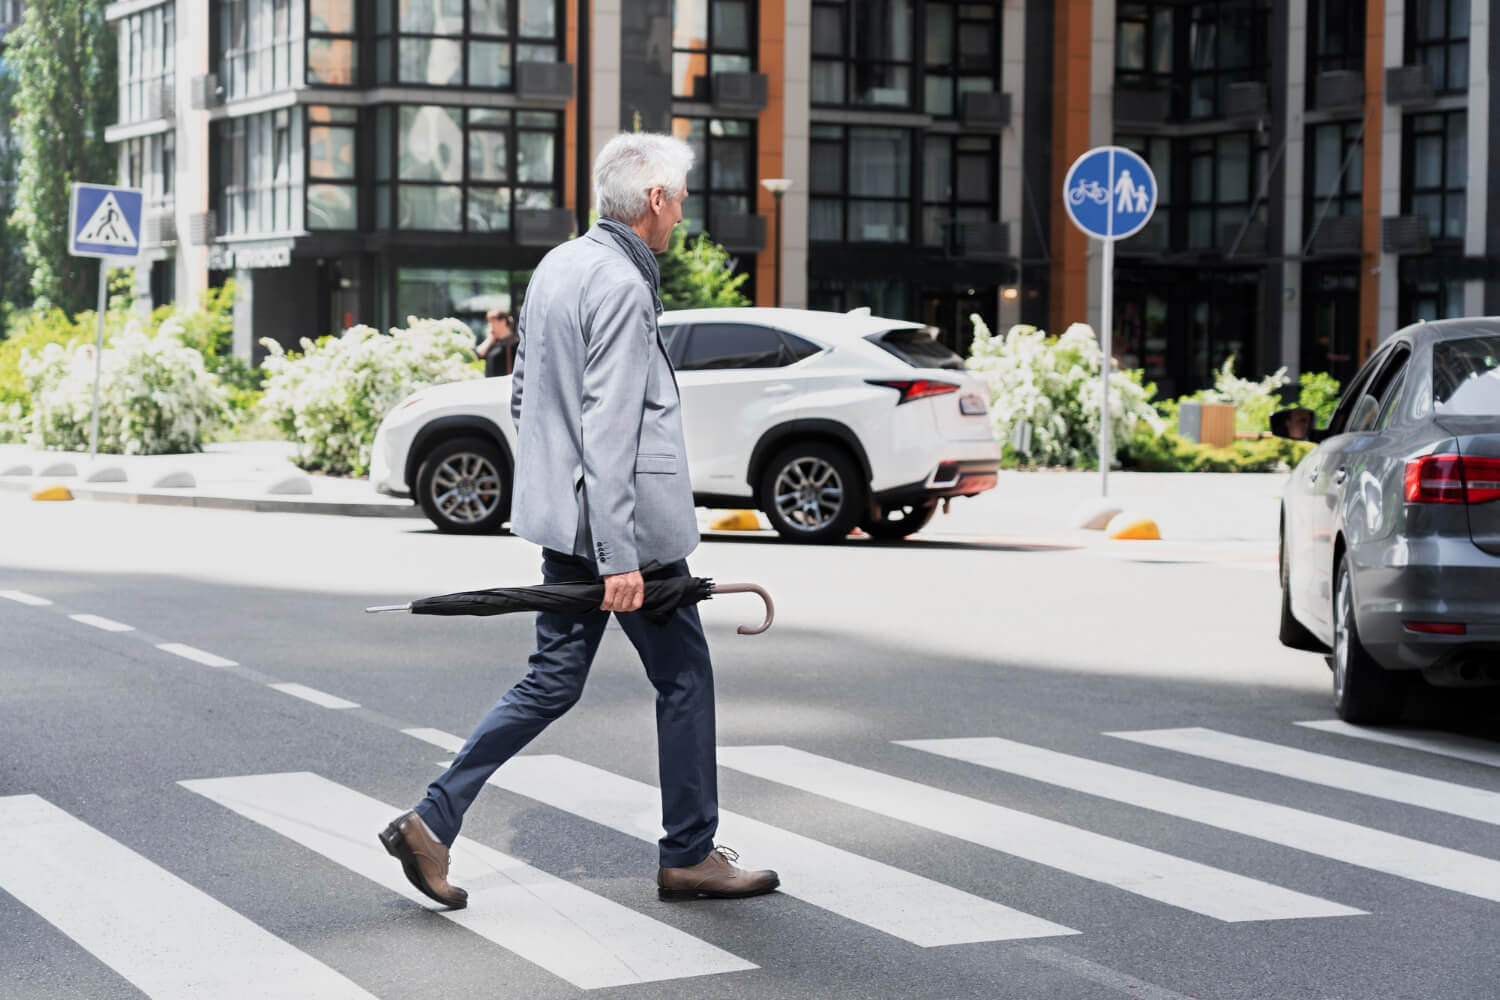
column 714, row 877
column 424, row 859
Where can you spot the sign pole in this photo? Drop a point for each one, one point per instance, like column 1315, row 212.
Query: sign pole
column 1106, row 335
column 99, row 356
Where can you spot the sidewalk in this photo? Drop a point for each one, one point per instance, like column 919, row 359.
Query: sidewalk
column 242, row 475
column 1219, row 508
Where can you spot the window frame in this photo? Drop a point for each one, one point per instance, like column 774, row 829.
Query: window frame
column 1419, row 49
column 707, row 191
column 1413, row 130
column 1256, row 68
column 954, row 206
column 238, row 188
column 1256, row 166
column 850, row 61
column 1344, row 197
column 910, row 199
column 712, row 50
column 953, row 72
column 351, row 124
column 385, row 41
column 146, row 46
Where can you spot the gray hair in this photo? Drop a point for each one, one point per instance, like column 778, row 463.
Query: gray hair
column 630, row 165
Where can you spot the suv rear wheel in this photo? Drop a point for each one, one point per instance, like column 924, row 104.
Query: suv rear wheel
column 812, row 492
column 462, row 486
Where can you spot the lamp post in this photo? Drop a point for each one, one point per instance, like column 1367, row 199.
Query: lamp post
column 777, row 186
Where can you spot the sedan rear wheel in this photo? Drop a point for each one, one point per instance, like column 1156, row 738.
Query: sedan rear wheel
column 461, row 486
column 812, row 492
column 1363, row 692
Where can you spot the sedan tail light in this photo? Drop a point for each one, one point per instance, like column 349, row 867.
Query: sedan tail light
column 1452, row 479
column 912, row 389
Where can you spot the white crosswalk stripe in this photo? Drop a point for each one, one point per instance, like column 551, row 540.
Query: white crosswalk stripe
column 590, row 941
column 1167, row 879
column 891, row 900
column 1467, row 748
column 1331, row 772
column 167, row 938
column 1404, row 857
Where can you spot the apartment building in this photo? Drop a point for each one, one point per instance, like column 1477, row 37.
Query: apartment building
column 1321, row 165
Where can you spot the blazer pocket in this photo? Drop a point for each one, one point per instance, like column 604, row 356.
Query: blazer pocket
column 662, row 465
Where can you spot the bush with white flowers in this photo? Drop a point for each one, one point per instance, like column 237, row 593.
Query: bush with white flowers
column 331, row 398
column 1052, row 384
column 155, row 395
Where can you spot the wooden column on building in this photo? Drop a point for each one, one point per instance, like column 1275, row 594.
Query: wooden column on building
column 571, row 152
column 770, row 142
column 1073, row 54
column 1369, row 271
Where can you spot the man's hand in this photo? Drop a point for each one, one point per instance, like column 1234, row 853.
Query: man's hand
column 624, row 592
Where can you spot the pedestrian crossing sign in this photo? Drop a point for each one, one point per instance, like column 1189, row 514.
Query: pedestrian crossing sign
column 104, row 221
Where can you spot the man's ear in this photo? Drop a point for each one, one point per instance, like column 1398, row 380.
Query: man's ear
column 658, row 200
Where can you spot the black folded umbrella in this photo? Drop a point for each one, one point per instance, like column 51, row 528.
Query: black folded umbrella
column 663, row 596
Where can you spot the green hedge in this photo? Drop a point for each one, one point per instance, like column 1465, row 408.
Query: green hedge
column 1173, row 453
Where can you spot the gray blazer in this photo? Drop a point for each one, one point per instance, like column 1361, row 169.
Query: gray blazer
column 601, row 466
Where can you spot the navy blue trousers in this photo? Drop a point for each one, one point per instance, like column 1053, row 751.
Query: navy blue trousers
column 676, row 659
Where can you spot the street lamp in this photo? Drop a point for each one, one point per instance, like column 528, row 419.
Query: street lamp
column 777, row 186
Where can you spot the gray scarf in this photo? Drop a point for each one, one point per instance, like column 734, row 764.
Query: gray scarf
column 632, row 246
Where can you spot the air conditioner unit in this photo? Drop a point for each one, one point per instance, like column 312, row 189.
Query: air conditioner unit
column 1140, row 105
column 1406, row 85
column 543, row 81
column 1246, row 99
column 161, row 101
column 205, row 92
column 1251, row 243
column 739, row 233
column 1338, row 89
column 1405, row 234
column 159, row 227
column 989, row 110
column 1338, row 236
column 203, row 227
column 741, row 91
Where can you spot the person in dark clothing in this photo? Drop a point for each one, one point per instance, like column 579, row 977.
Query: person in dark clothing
column 499, row 348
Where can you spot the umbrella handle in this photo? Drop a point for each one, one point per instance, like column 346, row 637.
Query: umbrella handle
column 387, row 607
column 750, row 588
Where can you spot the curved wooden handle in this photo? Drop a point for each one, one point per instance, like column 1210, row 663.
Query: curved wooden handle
column 750, row 588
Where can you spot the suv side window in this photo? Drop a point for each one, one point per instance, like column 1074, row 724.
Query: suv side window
column 731, row 345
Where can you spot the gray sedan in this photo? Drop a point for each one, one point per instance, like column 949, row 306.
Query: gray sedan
column 1390, row 527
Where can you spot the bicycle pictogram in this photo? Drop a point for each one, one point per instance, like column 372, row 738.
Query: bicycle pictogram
column 1092, row 190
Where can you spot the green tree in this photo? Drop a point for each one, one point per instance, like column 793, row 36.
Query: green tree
column 15, row 288
column 698, row 274
column 63, row 55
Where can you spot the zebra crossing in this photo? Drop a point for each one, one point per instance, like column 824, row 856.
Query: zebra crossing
column 172, row 940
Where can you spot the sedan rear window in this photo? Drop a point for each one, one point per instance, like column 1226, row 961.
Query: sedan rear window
column 1466, row 376
column 918, row 348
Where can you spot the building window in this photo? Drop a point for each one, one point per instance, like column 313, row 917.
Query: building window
column 148, row 163
column 253, row 166
column 332, row 46
column 1144, row 44
column 722, row 181
column 1223, row 174
column 863, row 52
column 1435, row 171
column 456, row 169
column 332, row 194
column 1335, row 170
column 961, row 54
column 1335, row 36
column 1429, row 298
column 253, row 46
column 1226, row 44
column 861, row 184
column 1157, row 152
column 708, row 37
column 147, row 46
column 463, row 293
column 464, row 43
column 1437, row 33
column 959, row 184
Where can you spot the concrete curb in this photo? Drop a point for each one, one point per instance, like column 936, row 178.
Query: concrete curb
column 259, row 504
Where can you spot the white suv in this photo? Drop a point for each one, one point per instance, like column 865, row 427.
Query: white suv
column 824, row 421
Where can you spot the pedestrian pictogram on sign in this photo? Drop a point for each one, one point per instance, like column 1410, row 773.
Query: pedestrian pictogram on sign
column 104, row 221
column 1110, row 192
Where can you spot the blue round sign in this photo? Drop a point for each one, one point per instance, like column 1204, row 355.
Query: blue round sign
column 1109, row 192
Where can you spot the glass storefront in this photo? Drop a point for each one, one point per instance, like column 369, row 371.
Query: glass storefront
column 464, row 293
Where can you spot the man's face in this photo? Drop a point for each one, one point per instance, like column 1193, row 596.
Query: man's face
column 664, row 216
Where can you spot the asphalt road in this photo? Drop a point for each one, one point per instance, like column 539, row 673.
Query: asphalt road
column 1044, row 856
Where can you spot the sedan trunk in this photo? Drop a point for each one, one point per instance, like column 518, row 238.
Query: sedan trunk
column 1479, row 446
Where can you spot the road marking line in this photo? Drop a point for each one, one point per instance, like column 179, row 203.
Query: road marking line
column 171, row 940
column 1467, row 748
column 891, row 900
column 1101, row 974
column 585, row 939
column 106, row 624
column 1331, row 772
column 1153, row 874
column 1350, row 843
column 315, row 696
column 194, row 654
column 438, row 738
column 23, row 598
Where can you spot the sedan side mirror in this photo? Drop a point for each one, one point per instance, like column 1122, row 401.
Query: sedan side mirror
column 1298, row 424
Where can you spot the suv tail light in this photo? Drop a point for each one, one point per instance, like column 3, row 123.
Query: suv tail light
column 912, row 389
column 1452, row 479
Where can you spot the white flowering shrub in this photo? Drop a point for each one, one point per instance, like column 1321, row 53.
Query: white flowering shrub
column 1052, row 384
column 155, row 395
column 331, row 398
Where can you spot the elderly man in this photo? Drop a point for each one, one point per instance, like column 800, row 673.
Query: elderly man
column 602, row 485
